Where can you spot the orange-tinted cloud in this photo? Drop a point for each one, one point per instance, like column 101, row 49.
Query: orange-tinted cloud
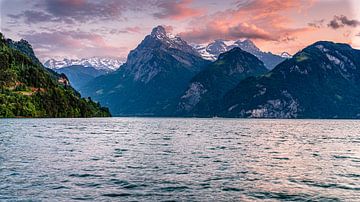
column 176, row 9
column 256, row 19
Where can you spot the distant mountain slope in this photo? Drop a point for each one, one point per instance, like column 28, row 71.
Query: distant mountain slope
column 108, row 64
column 321, row 81
column 213, row 50
column 79, row 75
column 207, row 88
column 155, row 73
column 27, row 89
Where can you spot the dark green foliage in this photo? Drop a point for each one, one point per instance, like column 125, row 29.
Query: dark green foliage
column 27, row 89
column 24, row 47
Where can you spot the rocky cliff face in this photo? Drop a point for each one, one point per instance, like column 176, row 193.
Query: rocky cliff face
column 154, row 74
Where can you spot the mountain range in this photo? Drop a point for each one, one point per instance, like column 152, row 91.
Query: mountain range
column 212, row 51
column 164, row 76
column 81, row 71
column 27, row 89
column 321, row 81
column 108, row 64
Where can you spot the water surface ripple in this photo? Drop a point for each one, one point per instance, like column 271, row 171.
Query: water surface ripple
column 158, row 159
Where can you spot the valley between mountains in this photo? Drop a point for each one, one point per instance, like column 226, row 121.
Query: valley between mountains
column 166, row 76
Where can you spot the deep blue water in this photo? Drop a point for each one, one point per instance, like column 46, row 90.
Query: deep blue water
column 150, row 159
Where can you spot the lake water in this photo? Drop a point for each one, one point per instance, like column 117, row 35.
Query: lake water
column 150, row 159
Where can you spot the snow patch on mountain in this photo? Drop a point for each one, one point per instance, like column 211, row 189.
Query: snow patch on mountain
column 212, row 51
column 110, row 64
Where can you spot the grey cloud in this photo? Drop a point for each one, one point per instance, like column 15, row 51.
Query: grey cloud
column 342, row 21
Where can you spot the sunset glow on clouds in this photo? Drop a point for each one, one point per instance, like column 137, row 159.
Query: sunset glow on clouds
column 85, row 28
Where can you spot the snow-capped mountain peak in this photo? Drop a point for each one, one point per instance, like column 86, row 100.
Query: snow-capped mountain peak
column 285, row 55
column 158, row 32
column 212, row 51
column 96, row 62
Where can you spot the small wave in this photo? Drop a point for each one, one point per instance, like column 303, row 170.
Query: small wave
column 116, row 195
column 90, row 184
column 83, row 175
column 60, row 187
column 174, row 188
column 341, row 157
column 281, row 158
column 327, row 185
column 283, row 196
column 232, row 189
column 84, row 198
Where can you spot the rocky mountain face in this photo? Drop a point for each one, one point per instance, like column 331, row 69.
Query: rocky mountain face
column 155, row 73
column 108, row 64
column 321, row 81
column 212, row 50
column 27, row 89
column 202, row 96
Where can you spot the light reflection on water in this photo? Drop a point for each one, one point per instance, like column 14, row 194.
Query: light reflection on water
column 179, row 159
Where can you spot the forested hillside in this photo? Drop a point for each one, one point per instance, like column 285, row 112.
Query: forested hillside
column 27, row 89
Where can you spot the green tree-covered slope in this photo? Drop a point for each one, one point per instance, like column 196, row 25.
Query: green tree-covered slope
column 27, row 89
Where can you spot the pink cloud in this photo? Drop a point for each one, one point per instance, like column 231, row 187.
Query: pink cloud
column 82, row 44
column 176, row 9
column 257, row 19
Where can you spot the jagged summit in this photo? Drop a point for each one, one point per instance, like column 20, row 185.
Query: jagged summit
column 158, row 32
column 159, row 38
column 285, row 55
column 212, row 51
column 155, row 72
column 247, row 45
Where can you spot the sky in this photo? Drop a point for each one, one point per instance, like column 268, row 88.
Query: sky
column 111, row 28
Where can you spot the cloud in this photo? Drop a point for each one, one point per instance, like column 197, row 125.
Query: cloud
column 342, row 21
column 82, row 44
column 31, row 16
column 212, row 31
column 176, row 9
column 127, row 30
column 317, row 24
column 78, row 11
column 256, row 19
